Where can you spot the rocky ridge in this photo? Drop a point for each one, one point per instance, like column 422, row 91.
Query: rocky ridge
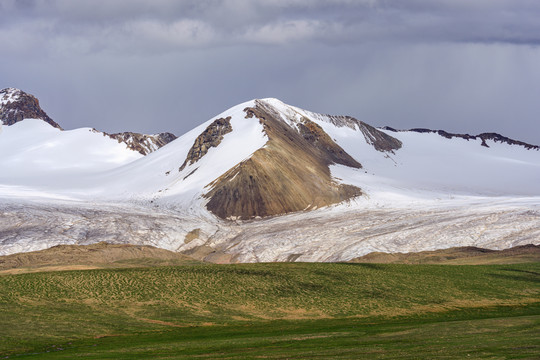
column 483, row 137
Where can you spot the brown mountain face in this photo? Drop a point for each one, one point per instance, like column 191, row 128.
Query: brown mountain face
column 16, row 105
column 290, row 173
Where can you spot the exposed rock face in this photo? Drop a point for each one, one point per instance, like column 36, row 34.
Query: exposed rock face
column 16, row 105
column 142, row 143
column 290, row 173
column 211, row 137
column 484, row 136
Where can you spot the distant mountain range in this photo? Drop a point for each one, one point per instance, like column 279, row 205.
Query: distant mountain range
column 16, row 105
column 255, row 162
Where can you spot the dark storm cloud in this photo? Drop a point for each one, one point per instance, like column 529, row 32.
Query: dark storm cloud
column 165, row 25
column 460, row 65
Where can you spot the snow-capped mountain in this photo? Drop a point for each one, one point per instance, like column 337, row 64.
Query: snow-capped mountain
column 16, row 106
column 313, row 187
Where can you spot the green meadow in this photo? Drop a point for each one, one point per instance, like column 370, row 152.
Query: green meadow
column 276, row 311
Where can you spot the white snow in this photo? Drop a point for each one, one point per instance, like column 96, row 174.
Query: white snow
column 432, row 163
column 37, row 155
column 432, row 193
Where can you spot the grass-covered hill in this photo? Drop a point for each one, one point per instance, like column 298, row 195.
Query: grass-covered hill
column 286, row 310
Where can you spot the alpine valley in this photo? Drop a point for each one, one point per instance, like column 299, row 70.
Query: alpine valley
column 262, row 182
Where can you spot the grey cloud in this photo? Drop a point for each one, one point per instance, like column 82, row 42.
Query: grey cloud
column 167, row 65
column 165, row 25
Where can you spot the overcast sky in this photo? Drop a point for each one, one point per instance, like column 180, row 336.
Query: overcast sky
column 164, row 65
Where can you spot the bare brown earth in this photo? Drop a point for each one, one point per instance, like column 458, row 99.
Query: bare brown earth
column 457, row 256
column 95, row 256
column 289, row 174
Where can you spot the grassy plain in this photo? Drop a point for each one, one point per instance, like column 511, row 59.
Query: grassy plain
column 286, row 310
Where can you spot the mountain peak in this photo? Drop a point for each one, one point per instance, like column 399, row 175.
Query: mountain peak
column 16, row 105
column 271, row 181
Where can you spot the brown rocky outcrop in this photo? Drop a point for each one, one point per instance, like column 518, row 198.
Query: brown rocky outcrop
column 16, row 105
column 142, row 143
column 211, row 137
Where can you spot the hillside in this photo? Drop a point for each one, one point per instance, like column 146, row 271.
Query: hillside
column 275, row 310
column 95, row 256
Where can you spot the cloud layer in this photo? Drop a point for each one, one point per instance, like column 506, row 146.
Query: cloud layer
column 137, row 65
column 142, row 27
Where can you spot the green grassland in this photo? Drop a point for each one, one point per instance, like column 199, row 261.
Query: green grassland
column 287, row 310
